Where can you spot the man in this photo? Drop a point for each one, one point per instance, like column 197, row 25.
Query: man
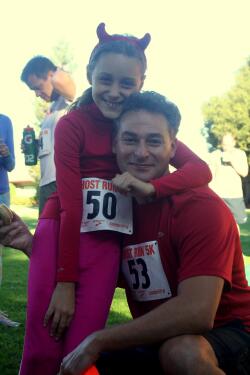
column 7, row 164
column 52, row 85
column 229, row 165
column 182, row 268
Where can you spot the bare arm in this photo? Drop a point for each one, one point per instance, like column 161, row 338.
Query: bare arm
column 16, row 235
column 64, row 84
column 239, row 163
column 191, row 312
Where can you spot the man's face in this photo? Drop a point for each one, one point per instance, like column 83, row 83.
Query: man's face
column 228, row 143
column 42, row 86
column 143, row 145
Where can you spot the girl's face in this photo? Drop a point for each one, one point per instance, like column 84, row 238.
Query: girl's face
column 114, row 78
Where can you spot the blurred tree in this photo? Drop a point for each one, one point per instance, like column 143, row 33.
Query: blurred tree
column 230, row 113
column 63, row 57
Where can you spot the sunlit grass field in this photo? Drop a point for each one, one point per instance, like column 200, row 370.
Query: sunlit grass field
column 13, row 296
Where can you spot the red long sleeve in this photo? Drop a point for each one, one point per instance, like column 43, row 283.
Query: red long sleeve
column 83, row 148
column 191, row 172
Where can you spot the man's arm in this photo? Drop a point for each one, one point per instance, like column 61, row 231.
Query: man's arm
column 16, row 235
column 64, row 84
column 191, row 312
column 239, row 162
column 7, row 150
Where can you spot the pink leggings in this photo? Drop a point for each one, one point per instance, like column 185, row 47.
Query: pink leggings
column 99, row 261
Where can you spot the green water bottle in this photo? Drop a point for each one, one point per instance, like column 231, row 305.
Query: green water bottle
column 29, row 146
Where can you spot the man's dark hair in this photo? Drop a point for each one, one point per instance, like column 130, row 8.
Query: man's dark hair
column 39, row 66
column 153, row 102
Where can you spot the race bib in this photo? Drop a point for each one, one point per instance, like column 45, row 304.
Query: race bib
column 45, row 144
column 104, row 208
column 144, row 273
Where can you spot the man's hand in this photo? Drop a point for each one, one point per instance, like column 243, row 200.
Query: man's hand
column 4, row 150
column 82, row 357
column 61, row 309
column 16, row 235
column 128, row 184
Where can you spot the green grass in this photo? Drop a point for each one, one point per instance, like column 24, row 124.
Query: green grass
column 13, row 296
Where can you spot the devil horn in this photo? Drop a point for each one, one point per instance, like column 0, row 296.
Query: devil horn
column 144, row 42
column 101, row 32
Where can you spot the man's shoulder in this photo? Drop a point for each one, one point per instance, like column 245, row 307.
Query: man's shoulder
column 5, row 119
column 59, row 104
column 198, row 199
column 216, row 154
column 239, row 152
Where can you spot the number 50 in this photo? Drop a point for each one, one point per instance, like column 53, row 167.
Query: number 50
column 108, row 208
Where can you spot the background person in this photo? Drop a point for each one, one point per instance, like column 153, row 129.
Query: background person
column 7, row 164
column 182, row 266
column 229, row 164
column 52, row 84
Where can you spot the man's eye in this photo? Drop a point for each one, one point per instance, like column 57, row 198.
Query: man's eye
column 129, row 140
column 154, row 142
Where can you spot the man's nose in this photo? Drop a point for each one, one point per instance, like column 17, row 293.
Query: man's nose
column 141, row 150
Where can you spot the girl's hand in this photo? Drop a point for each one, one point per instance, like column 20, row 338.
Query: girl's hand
column 61, row 309
column 128, row 184
column 82, row 357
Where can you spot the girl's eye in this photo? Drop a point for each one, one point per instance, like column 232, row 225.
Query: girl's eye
column 128, row 84
column 105, row 81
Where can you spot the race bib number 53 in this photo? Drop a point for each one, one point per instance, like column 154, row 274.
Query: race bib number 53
column 104, row 208
column 144, row 273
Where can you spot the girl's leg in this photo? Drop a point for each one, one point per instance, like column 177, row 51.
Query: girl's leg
column 99, row 267
column 41, row 354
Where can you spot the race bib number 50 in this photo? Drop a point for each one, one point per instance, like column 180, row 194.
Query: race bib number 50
column 104, row 208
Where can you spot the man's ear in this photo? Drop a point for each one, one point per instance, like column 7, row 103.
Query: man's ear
column 50, row 74
column 173, row 147
column 114, row 144
column 142, row 82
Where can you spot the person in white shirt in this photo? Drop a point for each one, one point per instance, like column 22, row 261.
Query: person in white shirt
column 229, row 165
column 52, row 85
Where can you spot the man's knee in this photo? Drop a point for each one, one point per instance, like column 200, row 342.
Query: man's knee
column 185, row 353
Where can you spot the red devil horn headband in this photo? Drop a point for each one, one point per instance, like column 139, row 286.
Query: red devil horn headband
column 103, row 37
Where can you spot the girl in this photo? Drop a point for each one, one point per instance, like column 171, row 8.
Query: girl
column 75, row 273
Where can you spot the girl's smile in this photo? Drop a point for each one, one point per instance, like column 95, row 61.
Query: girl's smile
column 114, row 78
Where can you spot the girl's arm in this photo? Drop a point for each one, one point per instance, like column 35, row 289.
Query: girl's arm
column 191, row 172
column 68, row 178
